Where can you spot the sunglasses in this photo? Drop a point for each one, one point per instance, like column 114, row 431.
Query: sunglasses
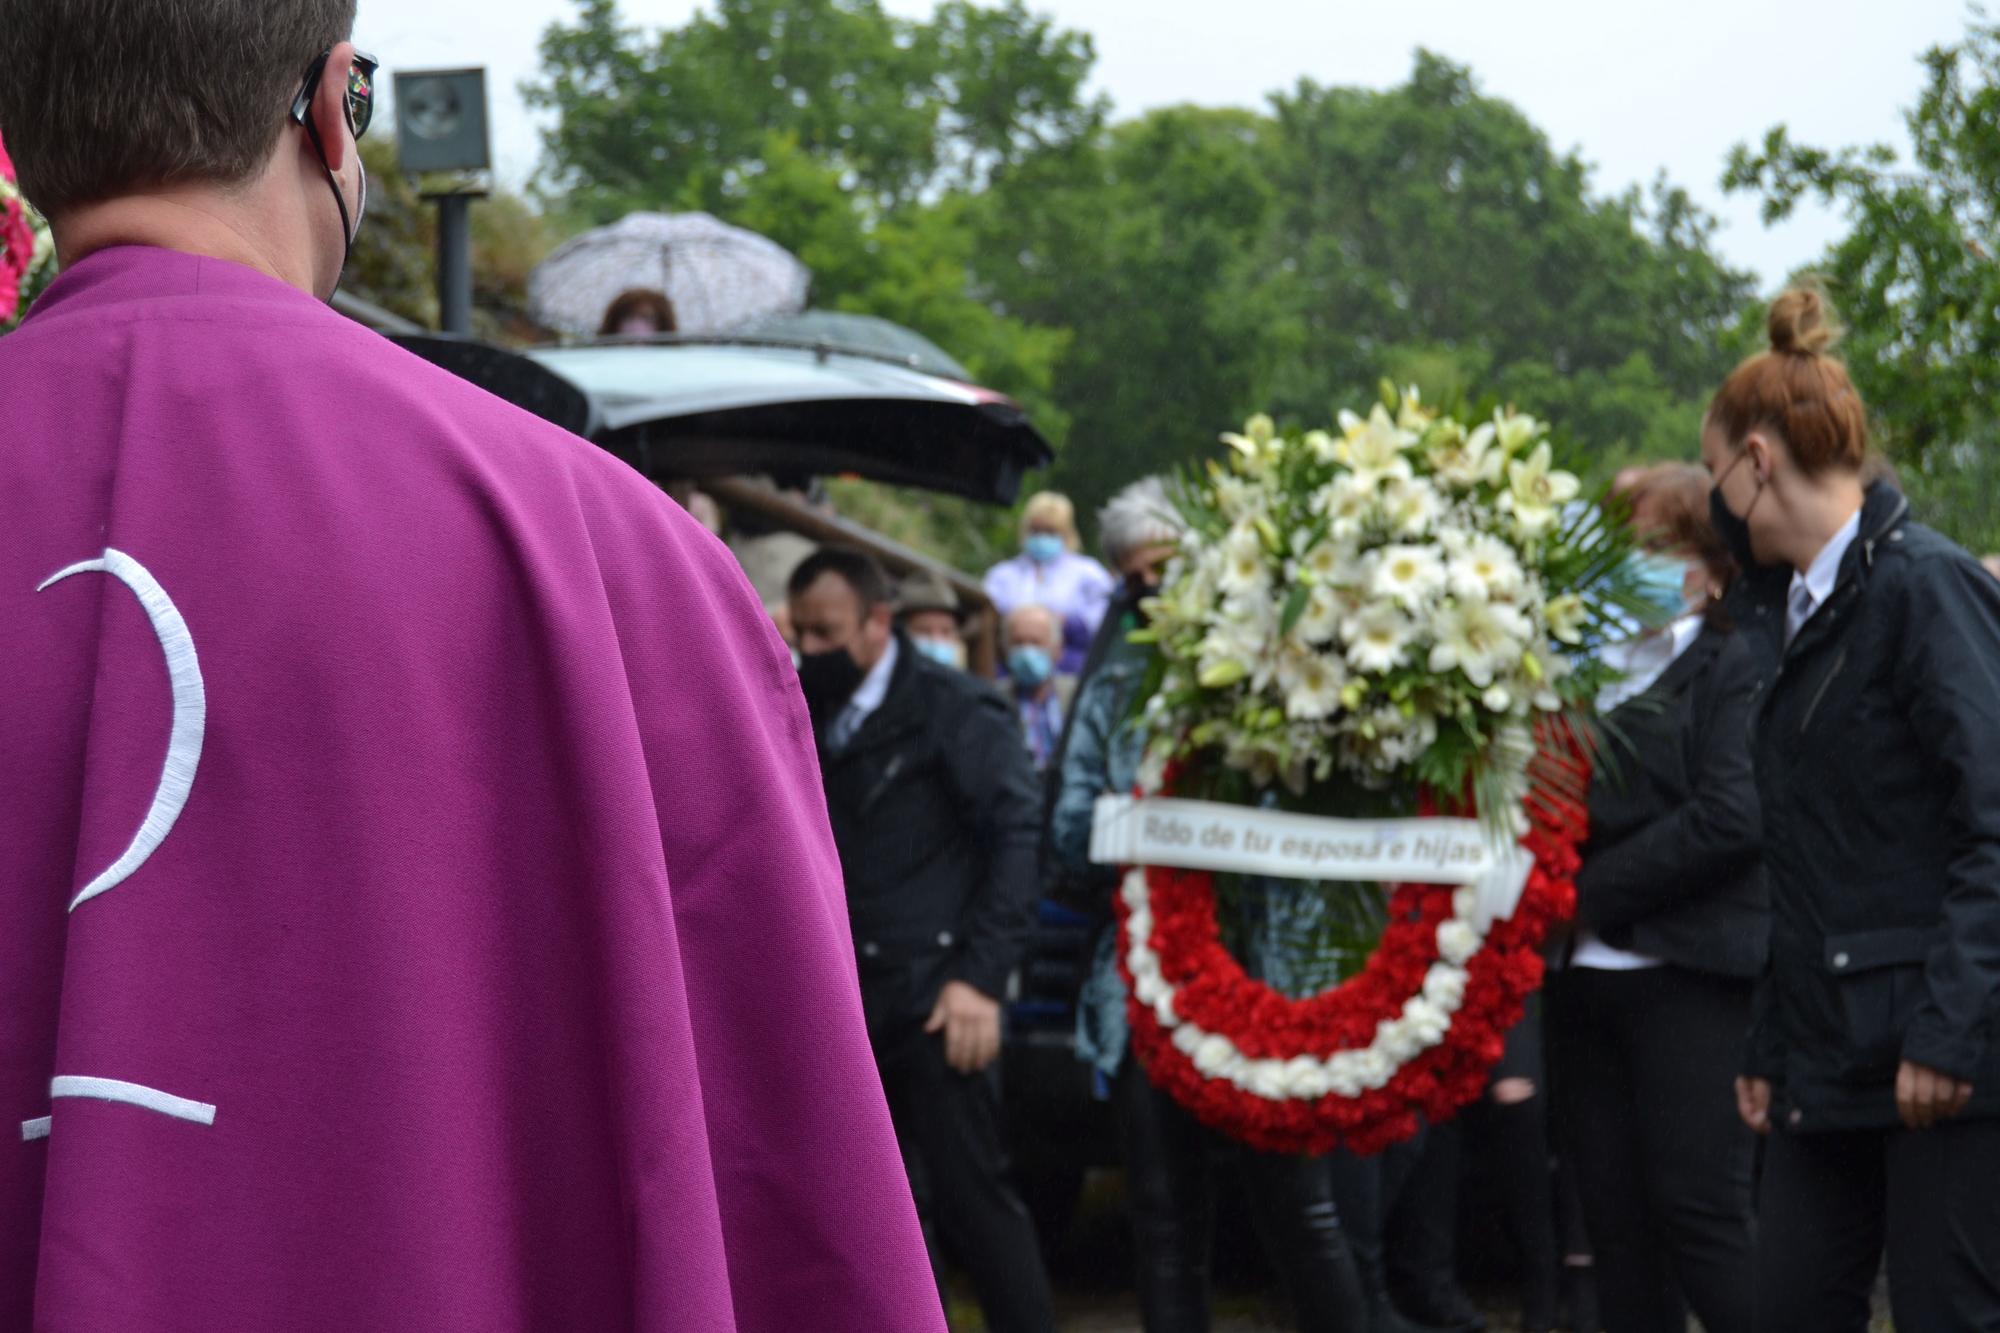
column 360, row 90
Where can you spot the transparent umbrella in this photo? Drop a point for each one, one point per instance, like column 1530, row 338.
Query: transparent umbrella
column 719, row 277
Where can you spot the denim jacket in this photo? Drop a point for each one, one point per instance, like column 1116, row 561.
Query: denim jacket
column 1106, row 745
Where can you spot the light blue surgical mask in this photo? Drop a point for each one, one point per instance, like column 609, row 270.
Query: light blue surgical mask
column 1660, row 580
column 1044, row 548
column 1030, row 664
column 945, row 652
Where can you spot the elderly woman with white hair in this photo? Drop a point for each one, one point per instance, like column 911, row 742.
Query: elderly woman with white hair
column 1052, row 572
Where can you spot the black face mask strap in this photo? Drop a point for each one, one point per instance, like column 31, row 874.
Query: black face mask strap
column 339, row 200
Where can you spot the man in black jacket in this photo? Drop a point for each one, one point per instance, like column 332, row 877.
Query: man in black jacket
column 934, row 810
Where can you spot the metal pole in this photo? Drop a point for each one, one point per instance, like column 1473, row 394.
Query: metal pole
column 454, row 274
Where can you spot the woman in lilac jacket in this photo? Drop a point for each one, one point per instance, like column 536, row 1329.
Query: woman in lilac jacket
column 1051, row 572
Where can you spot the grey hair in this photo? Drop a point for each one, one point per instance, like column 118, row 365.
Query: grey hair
column 1141, row 515
column 100, row 98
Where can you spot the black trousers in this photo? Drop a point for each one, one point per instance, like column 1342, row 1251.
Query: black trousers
column 1830, row 1201
column 948, row 1125
column 1644, row 1067
column 1513, row 1139
column 1169, row 1158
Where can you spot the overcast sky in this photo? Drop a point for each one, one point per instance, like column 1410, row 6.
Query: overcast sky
column 1634, row 87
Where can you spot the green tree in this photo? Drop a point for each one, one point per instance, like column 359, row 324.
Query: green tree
column 1433, row 221
column 860, row 141
column 1915, row 277
column 1144, row 245
column 897, row 108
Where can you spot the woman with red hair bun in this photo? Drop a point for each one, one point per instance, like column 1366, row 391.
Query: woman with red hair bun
column 1874, row 1059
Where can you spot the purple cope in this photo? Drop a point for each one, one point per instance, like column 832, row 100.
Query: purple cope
column 420, row 910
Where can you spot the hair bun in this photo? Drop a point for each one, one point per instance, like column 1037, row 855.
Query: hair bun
column 1800, row 323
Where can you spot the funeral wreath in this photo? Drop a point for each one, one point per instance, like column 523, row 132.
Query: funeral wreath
column 1395, row 618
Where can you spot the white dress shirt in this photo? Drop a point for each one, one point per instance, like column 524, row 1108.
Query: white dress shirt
column 1811, row 589
column 1643, row 661
column 867, row 698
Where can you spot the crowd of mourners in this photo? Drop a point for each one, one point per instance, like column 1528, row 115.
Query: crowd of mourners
column 1764, row 1055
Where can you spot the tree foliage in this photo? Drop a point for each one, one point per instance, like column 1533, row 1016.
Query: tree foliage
column 394, row 263
column 1916, row 277
column 1141, row 286
column 896, row 108
column 1209, row 262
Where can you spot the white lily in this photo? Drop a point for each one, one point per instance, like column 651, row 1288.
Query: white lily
column 1536, row 491
column 1515, row 431
column 1346, row 503
column 1373, row 449
column 1244, row 567
column 1478, row 638
column 1566, row 616
column 1464, row 461
column 1312, row 683
column 1256, row 446
column 1412, row 505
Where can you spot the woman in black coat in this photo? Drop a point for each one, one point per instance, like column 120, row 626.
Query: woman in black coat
column 1873, row 1064
column 1647, row 1015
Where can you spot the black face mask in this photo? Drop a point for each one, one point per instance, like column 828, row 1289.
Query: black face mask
column 829, row 680
column 1734, row 530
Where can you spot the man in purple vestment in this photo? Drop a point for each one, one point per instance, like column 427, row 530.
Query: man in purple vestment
column 420, row 906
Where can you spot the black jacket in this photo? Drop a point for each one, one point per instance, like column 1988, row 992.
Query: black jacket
column 1673, row 867
column 1878, row 758
column 935, row 812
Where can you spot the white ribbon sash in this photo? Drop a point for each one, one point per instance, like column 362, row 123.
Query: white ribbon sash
column 1203, row 835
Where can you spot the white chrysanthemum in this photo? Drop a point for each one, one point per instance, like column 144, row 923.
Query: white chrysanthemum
column 1312, row 683
column 1373, row 449
column 1486, row 569
column 1378, row 637
column 1411, row 505
column 1332, row 563
column 1478, row 638
column 1407, row 575
column 1320, row 621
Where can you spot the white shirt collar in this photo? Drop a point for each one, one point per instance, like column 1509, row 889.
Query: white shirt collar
column 874, row 687
column 1819, row 578
column 1641, row 661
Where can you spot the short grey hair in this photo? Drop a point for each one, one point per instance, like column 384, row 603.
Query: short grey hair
column 100, row 98
column 1139, row 516
column 1031, row 609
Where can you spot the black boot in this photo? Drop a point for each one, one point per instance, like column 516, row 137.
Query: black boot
column 1442, row 1304
column 1577, row 1311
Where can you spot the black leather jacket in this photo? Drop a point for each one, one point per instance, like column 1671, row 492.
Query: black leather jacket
column 936, row 815
column 1878, row 760
column 1674, row 865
